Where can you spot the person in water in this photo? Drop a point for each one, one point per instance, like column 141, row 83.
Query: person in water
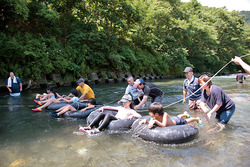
column 149, row 89
column 191, row 85
column 64, row 109
column 240, row 78
column 162, row 119
column 50, row 94
column 124, row 113
column 217, row 101
column 14, row 84
column 86, row 91
column 73, row 97
column 133, row 91
column 237, row 60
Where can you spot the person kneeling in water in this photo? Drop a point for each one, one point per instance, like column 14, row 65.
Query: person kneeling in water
column 124, row 113
column 162, row 119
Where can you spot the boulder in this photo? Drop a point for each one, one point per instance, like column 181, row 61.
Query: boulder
column 93, row 77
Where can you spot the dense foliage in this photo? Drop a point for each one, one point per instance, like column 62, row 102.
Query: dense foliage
column 40, row 37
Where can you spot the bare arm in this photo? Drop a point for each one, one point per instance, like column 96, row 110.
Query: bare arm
column 86, row 108
column 134, row 115
column 108, row 108
column 144, row 100
column 144, row 121
column 237, row 60
column 67, row 100
column 215, row 108
column 21, row 87
column 184, row 96
column 85, row 100
column 82, row 96
column 8, row 88
column 203, row 107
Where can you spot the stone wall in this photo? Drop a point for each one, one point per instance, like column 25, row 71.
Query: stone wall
column 58, row 80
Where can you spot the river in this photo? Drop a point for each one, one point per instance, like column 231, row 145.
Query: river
column 36, row 139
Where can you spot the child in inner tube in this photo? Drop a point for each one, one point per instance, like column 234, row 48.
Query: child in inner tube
column 50, row 94
column 71, row 98
column 162, row 119
column 124, row 113
column 64, row 109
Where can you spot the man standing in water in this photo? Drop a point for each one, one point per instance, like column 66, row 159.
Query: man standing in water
column 87, row 92
column 149, row 89
column 240, row 77
column 14, row 84
column 191, row 85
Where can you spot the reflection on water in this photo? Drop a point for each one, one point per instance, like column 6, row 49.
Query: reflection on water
column 36, row 139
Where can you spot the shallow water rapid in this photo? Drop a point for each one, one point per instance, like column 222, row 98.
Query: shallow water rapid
column 35, row 139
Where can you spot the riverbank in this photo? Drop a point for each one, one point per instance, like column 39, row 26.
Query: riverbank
column 59, row 80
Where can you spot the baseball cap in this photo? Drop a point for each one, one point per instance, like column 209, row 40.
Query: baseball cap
column 126, row 98
column 80, row 80
column 188, row 69
column 138, row 82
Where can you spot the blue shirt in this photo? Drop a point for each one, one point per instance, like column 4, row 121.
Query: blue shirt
column 52, row 95
column 74, row 99
column 15, row 86
column 191, row 88
column 133, row 91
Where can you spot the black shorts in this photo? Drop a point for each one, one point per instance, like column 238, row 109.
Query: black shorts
column 179, row 121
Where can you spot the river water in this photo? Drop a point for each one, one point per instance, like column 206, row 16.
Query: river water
column 36, row 139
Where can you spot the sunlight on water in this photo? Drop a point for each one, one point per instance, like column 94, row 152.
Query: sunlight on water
column 36, row 139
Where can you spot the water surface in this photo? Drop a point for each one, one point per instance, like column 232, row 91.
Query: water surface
column 36, row 139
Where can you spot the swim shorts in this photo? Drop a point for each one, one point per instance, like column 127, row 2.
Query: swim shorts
column 179, row 121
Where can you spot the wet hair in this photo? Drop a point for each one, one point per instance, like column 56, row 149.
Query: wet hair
column 131, row 105
column 205, row 78
column 92, row 101
column 156, row 107
column 74, row 92
column 52, row 90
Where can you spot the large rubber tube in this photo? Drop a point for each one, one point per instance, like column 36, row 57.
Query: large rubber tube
column 115, row 124
column 165, row 135
column 76, row 105
column 80, row 115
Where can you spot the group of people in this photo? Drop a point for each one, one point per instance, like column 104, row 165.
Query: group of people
column 200, row 92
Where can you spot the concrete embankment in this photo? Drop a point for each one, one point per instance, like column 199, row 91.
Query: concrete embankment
column 58, row 80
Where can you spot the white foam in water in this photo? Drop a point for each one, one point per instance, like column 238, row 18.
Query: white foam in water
column 82, row 151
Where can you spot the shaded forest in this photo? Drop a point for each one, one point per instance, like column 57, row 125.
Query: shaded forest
column 77, row 37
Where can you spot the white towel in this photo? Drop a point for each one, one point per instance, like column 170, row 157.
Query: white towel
column 9, row 81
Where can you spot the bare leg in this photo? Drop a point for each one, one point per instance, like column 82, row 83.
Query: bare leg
column 220, row 126
column 183, row 115
column 45, row 97
column 67, row 108
column 198, row 120
column 45, row 101
column 62, row 108
column 49, row 101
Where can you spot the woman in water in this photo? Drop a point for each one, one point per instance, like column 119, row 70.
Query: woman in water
column 124, row 113
column 217, row 100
